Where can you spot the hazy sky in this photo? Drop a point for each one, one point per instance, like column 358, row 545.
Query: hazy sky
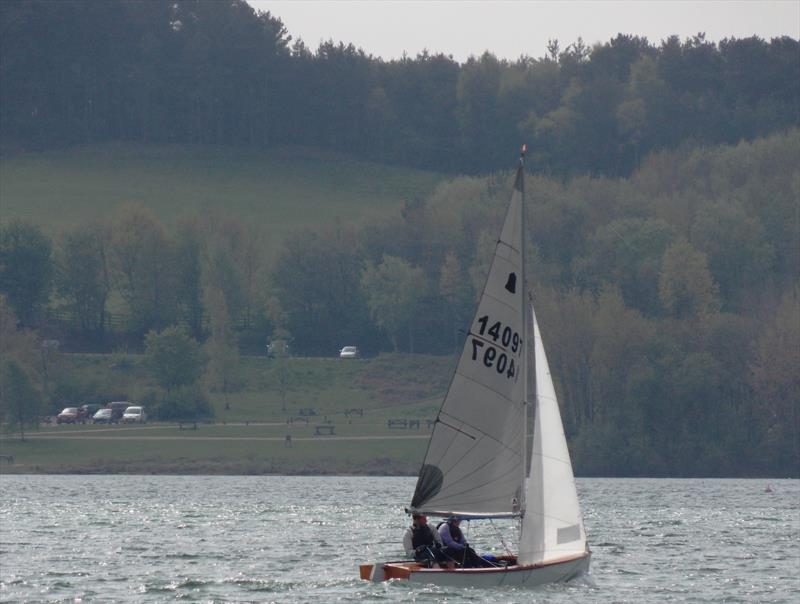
column 387, row 28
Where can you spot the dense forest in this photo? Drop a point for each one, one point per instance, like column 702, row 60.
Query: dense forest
column 202, row 71
column 664, row 222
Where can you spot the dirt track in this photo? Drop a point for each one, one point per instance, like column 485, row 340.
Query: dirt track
column 85, row 436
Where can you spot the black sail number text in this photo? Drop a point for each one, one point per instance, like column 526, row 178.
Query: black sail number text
column 498, row 348
column 493, row 358
column 500, row 334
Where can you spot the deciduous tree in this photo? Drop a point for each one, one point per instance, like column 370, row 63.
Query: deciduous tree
column 143, row 261
column 26, row 269
column 317, row 281
column 83, row 276
column 221, row 348
column 776, row 382
column 19, row 399
column 189, row 259
column 174, row 357
column 454, row 287
column 393, row 290
column 686, row 288
column 739, row 254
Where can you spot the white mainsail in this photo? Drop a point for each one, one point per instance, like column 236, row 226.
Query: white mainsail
column 552, row 527
column 474, row 463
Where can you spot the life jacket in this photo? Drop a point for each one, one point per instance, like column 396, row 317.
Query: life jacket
column 421, row 535
column 455, row 533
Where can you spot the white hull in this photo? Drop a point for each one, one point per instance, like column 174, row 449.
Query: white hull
column 513, row 575
column 525, row 576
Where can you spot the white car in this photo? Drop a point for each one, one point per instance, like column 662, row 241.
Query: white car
column 348, row 352
column 134, row 415
column 278, row 348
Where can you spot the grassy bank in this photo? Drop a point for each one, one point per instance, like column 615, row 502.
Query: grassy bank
column 277, row 191
column 332, row 418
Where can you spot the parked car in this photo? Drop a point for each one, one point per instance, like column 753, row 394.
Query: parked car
column 278, row 348
column 348, row 352
column 117, row 409
column 134, row 415
column 89, row 409
column 103, row 416
column 70, row 415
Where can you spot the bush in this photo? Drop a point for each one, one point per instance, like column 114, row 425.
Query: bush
column 187, row 403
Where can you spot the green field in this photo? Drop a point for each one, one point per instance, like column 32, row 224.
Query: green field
column 277, row 191
column 250, row 436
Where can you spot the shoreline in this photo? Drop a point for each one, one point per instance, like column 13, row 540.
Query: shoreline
column 19, row 470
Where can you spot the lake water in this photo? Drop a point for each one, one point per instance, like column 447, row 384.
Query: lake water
column 300, row 539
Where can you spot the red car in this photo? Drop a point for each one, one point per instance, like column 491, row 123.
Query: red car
column 70, row 415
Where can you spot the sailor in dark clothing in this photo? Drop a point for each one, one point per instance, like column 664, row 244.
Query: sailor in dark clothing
column 424, row 544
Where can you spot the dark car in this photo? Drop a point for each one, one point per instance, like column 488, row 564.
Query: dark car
column 117, row 409
column 103, row 416
column 70, row 415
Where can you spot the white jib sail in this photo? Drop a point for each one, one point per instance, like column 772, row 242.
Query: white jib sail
column 552, row 527
column 473, row 466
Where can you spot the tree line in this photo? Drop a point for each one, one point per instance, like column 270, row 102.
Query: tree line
column 209, row 72
column 669, row 301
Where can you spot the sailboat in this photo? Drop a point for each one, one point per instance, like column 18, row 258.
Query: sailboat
column 477, row 464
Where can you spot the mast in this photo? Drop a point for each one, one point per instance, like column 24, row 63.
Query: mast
column 523, row 306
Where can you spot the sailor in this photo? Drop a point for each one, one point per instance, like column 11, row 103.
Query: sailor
column 454, row 540
column 424, row 544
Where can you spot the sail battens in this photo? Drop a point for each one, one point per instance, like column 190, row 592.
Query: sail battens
column 456, row 480
column 475, row 492
column 500, row 301
column 503, row 445
column 474, row 428
column 464, row 494
column 553, row 458
column 459, row 430
column 499, row 394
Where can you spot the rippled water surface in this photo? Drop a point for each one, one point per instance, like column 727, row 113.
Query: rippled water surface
column 300, row 539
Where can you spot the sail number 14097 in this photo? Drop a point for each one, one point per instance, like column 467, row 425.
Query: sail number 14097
column 500, row 357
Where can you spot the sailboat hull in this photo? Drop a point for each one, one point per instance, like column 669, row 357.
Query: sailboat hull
column 515, row 575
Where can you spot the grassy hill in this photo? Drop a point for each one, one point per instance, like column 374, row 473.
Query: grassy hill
column 248, row 435
column 279, row 191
